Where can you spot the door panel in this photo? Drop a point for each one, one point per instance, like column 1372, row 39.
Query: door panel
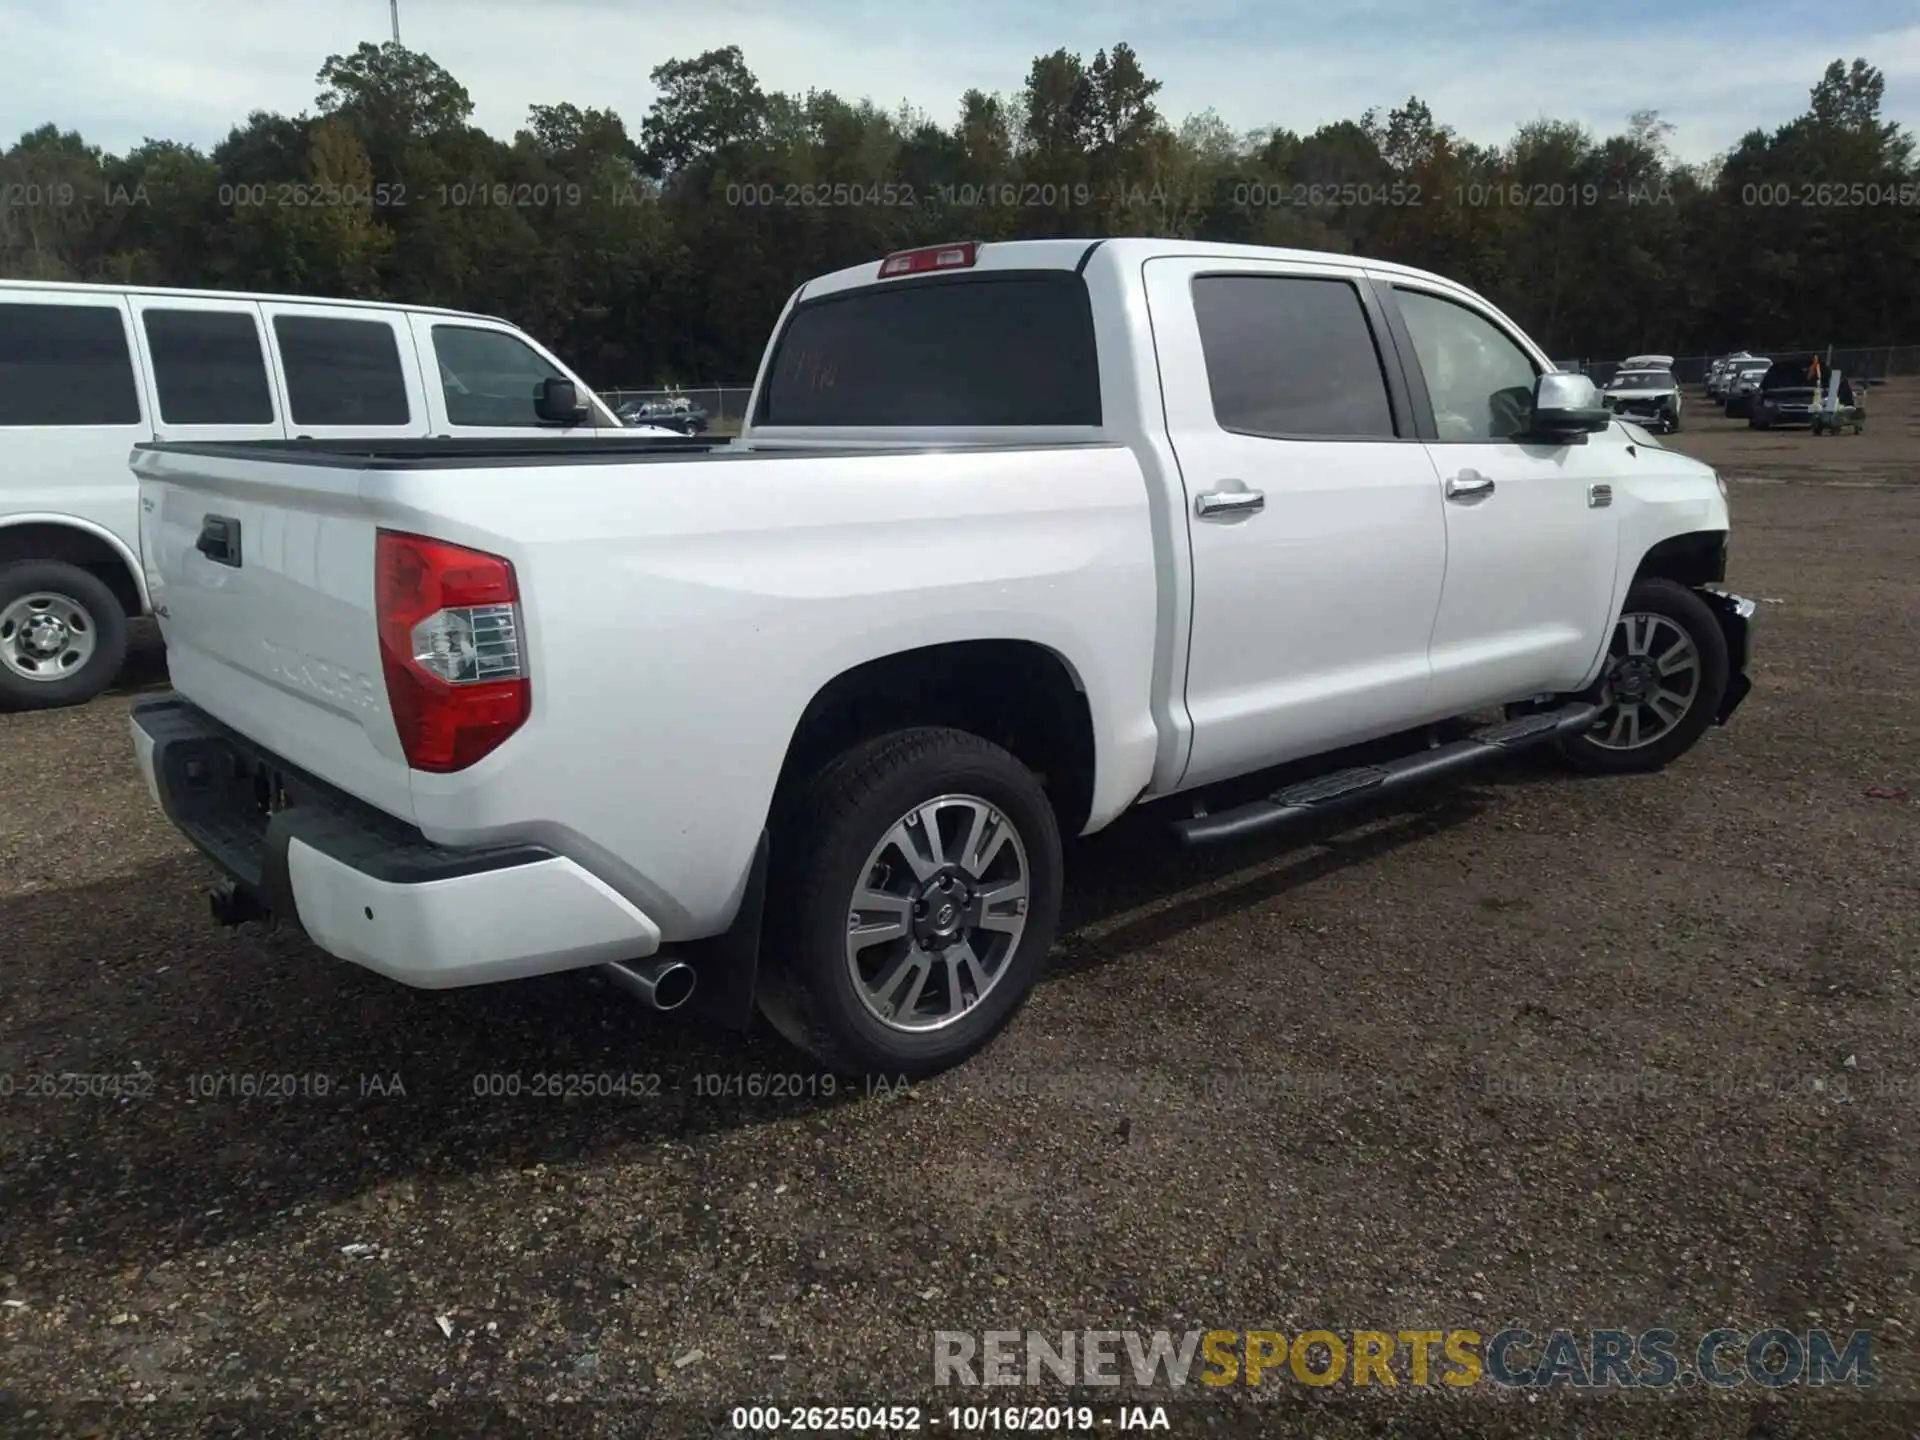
column 1531, row 547
column 1312, row 602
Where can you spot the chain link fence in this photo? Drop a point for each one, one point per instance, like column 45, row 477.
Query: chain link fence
column 721, row 407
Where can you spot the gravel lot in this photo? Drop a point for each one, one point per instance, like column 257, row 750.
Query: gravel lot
column 1558, row 1052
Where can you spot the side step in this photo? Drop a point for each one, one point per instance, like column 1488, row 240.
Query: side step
column 1326, row 794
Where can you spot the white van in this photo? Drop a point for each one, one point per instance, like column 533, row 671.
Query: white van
column 88, row 371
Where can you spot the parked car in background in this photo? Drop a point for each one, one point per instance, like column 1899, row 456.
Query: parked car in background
column 1788, row 393
column 799, row 724
column 89, row 371
column 1741, row 384
column 1720, row 370
column 676, row 413
column 1648, row 396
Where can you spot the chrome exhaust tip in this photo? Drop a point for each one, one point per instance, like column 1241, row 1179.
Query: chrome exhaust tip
column 665, row 984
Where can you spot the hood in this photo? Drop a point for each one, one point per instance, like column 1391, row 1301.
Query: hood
column 1656, row 392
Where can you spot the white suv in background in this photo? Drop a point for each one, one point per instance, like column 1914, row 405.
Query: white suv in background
column 89, row 371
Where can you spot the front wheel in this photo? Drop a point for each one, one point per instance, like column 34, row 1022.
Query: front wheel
column 63, row 635
column 1665, row 671
column 914, row 895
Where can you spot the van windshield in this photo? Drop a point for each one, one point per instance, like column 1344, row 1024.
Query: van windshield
column 985, row 349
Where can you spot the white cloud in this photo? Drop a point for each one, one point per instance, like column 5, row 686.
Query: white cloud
column 120, row 70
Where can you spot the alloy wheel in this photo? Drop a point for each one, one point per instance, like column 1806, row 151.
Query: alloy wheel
column 940, row 907
column 1651, row 681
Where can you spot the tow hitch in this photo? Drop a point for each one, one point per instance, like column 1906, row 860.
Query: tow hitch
column 233, row 906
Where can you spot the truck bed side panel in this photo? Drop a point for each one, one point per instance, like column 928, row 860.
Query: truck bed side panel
column 680, row 617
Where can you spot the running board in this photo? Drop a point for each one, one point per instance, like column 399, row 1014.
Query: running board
column 1327, row 794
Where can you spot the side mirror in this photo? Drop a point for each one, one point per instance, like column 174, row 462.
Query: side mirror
column 560, row 403
column 1566, row 409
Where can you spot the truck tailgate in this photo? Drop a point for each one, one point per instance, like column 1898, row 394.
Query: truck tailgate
column 262, row 576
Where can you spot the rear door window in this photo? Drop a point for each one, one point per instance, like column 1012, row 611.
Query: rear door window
column 65, row 365
column 1291, row 356
column 987, row 349
column 209, row 367
column 341, row 372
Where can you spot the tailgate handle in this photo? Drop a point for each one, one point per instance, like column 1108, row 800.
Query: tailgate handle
column 220, row 540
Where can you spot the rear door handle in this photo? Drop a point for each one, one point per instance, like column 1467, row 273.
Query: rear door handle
column 1229, row 502
column 1468, row 485
column 220, row 540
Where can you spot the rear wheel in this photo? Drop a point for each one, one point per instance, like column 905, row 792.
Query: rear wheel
column 63, row 635
column 914, row 896
column 1665, row 672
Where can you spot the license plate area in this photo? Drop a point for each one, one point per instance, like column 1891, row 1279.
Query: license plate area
column 225, row 798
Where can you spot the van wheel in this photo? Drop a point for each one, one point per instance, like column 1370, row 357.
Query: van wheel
column 1665, row 672
column 914, row 895
column 63, row 635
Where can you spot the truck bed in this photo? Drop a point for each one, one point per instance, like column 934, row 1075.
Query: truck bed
column 433, row 453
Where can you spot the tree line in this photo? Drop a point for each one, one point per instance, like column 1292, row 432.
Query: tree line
column 665, row 254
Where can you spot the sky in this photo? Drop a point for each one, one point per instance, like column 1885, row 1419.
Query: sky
column 120, row 71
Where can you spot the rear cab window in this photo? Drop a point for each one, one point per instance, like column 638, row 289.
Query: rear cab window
column 992, row 348
column 65, row 365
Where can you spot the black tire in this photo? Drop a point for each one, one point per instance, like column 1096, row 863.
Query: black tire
column 96, row 606
column 822, row 841
column 1681, row 607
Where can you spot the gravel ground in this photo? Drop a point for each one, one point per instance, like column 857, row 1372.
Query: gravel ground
column 1546, row 1051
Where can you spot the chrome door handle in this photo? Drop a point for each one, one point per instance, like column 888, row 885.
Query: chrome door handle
column 1229, row 502
column 1468, row 485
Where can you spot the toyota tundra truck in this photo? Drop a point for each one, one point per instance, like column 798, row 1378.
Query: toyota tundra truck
column 1018, row 537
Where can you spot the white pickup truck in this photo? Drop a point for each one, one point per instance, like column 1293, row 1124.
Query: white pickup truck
column 1019, row 536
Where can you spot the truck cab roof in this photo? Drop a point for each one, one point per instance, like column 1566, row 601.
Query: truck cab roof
column 1077, row 255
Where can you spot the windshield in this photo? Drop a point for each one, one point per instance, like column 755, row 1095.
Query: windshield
column 1641, row 380
column 1789, row 372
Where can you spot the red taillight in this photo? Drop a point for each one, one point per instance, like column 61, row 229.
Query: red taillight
column 450, row 645
column 933, row 257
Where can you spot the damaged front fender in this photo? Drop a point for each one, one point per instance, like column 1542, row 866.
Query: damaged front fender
column 1735, row 614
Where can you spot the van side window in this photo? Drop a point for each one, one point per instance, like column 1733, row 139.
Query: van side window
column 209, row 367
column 489, row 378
column 1291, row 356
column 341, row 372
column 65, row 365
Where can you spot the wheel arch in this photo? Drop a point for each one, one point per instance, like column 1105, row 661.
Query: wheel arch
column 1020, row 694
column 73, row 541
column 1693, row 559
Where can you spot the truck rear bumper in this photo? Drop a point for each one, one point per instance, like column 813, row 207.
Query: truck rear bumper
column 368, row 888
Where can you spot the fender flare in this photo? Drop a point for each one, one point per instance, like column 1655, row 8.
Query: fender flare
column 98, row 532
